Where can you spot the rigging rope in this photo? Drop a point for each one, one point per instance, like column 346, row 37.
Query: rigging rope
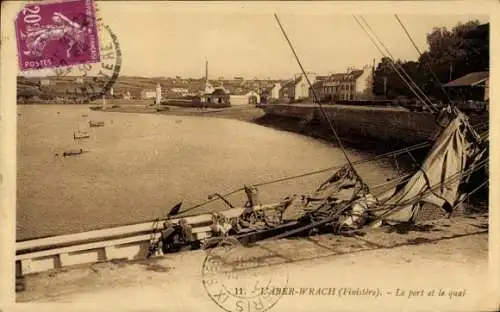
column 392, row 63
column 391, row 60
column 480, row 186
column 421, row 55
column 431, row 189
column 330, row 122
column 345, row 206
column 399, row 65
column 358, row 162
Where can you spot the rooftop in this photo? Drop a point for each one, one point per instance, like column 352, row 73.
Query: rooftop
column 469, row 80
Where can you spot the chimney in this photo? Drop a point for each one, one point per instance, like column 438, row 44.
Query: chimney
column 206, row 70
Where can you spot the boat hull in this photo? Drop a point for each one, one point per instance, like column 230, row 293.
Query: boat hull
column 130, row 242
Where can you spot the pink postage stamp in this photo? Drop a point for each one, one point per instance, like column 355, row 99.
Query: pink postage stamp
column 56, row 34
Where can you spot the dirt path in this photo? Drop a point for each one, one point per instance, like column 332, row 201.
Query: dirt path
column 449, row 254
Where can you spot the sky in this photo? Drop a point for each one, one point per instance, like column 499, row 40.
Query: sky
column 159, row 39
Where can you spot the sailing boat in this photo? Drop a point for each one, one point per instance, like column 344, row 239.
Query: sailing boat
column 344, row 203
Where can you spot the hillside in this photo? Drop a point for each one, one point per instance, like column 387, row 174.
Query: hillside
column 71, row 87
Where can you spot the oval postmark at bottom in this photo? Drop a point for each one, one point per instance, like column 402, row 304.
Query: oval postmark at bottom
column 237, row 279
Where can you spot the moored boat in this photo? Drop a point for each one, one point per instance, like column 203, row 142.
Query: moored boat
column 93, row 123
column 78, row 135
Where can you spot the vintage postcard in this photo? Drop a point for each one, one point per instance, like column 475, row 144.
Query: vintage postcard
column 248, row 156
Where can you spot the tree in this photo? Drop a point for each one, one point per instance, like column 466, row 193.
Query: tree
column 388, row 83
column 27, row 91
column 453, row 54
column 450, row 55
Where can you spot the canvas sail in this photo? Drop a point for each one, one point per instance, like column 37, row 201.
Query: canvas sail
column 439, row 177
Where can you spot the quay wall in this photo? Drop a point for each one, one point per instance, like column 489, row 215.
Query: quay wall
column 391, row 124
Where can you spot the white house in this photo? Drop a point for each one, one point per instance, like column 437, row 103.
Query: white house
column 364, row 83
column 127, row 95
column 148, row 94
column 180, row 91
column 248, row 98
column 298, row 88
column 45, row 82
column 302, row 87
column 275, row 91
column 354, row 84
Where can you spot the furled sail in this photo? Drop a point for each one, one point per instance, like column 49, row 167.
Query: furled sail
column 437, row 181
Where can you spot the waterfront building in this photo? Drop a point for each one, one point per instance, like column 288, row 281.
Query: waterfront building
column 211, row 94
column 275, row 91
column 127, row 95
column 354, row 84
column 45, row 82
column 148, row 94
column 180, row 91
column 264, row 96
column 473, row 86
column 219, row 96
column 296, row 89
column 244, row 97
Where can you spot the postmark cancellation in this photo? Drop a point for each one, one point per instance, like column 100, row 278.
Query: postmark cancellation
column 237, row 279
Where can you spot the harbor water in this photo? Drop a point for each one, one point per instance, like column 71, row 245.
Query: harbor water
column 139, row 165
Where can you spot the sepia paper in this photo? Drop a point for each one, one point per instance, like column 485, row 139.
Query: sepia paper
column 106, row 153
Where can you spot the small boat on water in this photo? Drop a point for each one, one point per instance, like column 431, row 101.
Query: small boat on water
column 93, row 123
column 77, row 135
column 71, row 153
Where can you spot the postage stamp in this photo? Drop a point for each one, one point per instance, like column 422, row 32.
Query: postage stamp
column 97, row 63
column 233, row 279
column 54, row 34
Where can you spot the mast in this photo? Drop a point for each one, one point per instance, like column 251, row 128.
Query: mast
column 316, row 99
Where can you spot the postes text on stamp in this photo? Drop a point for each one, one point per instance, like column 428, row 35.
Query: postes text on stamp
column 55, row 34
